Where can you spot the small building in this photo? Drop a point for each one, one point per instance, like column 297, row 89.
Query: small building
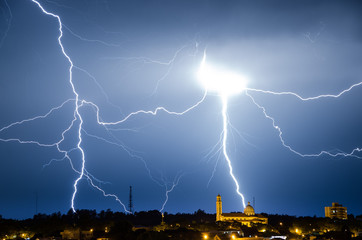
column 76, row 234
column 336, row 211
column 222, row 235
column 246, row 218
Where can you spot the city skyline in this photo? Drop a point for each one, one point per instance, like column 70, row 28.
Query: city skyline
column 117, row 84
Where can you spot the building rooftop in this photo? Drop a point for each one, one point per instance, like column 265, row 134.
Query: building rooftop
column 240, row 215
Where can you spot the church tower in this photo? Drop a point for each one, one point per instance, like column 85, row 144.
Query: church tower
column 218, row 208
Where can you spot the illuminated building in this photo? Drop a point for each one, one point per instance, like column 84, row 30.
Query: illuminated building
column 336, row 211
column 77, row 234
column 246, row 218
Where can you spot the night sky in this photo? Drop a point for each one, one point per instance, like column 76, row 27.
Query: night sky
column 138, row 55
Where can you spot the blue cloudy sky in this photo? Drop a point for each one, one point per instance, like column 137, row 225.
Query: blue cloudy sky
column 139, row 55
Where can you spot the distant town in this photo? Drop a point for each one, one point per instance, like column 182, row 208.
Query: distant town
column 108, row 225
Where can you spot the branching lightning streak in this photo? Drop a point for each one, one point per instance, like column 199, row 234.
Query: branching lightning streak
column 56, row 144
column 165, row 183
column 226, row 123
column 37, row 117
column 99, row 86
column 168, row 190
column 314, row 39
column 213, row 171
column 224, row 100
column 224, row 97
column 62, row 159
column 128, row 151
column 171, row 64
column 213, row 80
column 77, row 115
column 152, row 112
column 91, row 40
column 147, row 60
column 107, row 194
column 215, row 150
column 341, row 154
column 72, row 166
column 307, row 98
column 77, row 122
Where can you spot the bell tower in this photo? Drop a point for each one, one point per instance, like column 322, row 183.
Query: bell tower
column 218, row 207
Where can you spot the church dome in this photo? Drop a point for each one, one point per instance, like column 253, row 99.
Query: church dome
column 249, row 210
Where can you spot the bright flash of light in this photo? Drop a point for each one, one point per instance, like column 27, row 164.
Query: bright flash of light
column 220, row 80
column 225, row 83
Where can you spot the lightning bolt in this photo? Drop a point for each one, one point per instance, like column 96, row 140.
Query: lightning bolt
column 152, row 112
column 307, row 98
column 170, row 189
column 77, row 115
column 77, row 118
column 169, row 64
column 280, row 133
column 37, row 117
column 224, row 100
column 77, row 122
column 90, row 40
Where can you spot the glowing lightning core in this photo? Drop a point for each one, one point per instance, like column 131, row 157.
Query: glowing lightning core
column 220, row 80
